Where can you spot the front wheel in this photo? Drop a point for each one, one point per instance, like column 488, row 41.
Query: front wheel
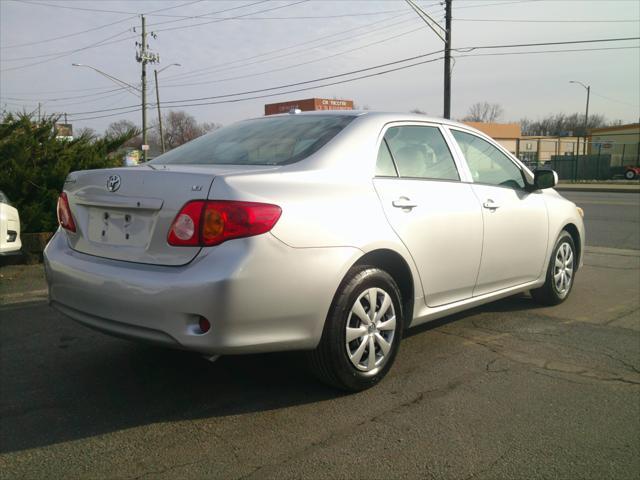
column 560, row 273
column 362, row 332
column 629, row 174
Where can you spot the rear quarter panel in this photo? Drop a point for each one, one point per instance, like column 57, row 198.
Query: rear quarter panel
column 327, row 200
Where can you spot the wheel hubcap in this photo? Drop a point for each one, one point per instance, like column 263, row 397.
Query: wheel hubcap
column 370, row 329
column 563, row 269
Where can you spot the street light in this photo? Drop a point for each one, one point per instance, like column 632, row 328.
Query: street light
column 156, row 72
column 586, row 114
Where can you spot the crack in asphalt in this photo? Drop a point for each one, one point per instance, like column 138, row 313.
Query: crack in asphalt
column 348, row 430
column 522, row 337
column 548, row 364
column 622, row 315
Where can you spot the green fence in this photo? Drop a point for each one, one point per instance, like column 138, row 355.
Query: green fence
column 584, row 167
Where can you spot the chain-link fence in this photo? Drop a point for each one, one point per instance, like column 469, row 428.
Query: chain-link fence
column 579, row 160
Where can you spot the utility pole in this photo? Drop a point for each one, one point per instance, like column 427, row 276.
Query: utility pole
column 143, row 51
column 586, row 122
column 586, row 115
column 447, row 60
column 445, row 36
column 144, row 57
column 155, row 73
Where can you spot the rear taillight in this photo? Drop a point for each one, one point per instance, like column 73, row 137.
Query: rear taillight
column 212, row 222
column 65, row 219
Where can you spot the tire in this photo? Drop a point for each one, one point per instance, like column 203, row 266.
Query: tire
column 348, row 365
column 561, row 265
column 629, row 174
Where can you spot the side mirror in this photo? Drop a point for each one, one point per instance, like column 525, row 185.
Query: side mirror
column 544, row 179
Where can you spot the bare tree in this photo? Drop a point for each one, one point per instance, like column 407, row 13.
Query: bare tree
column 180, row 127
column 126, row 128
column 562, row 124
column 484, row 112
column 207, row 127
column 87, row 133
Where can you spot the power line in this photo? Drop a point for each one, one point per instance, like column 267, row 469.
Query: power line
column 466, row 49
column 319, row 86
column 48, row 100
column 93, row 29
column 288, row 67
column 232, row 18
column 568, row 42
column 496, row 4
column 52, row 39
column 104, row 42
column 340, row 82
column 64, row 53
column 226, row 65
column 184, row 18
column 185, row 4
column 513, row 20
column 101, row 43
column 294, row 54
column 499, row 54
column 614, row 100
column 44, row 4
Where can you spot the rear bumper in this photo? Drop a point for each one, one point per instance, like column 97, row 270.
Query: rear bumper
column 258, row 293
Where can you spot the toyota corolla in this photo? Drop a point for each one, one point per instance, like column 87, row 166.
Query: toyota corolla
column 326, row 232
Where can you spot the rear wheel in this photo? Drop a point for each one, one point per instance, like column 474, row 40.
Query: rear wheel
column 560, row 273
column 362, row 332
column 630, row 174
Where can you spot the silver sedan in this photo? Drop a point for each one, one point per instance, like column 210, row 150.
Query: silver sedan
column 329, row 232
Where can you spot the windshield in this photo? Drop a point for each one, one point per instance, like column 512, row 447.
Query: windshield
column 262, row 141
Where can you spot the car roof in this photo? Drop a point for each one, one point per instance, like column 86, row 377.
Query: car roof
column 379, row 115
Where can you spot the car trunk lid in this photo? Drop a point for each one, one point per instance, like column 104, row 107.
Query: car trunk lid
column 126, row 213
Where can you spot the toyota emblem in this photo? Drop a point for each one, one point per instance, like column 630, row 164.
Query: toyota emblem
column 113, row 183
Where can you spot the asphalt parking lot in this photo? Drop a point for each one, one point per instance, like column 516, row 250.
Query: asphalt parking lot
column 508, row 390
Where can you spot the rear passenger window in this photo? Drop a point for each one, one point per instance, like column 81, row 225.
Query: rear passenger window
column 421, row 152
column 384, row 165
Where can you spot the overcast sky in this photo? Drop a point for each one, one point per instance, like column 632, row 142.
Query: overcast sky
column 264, row 50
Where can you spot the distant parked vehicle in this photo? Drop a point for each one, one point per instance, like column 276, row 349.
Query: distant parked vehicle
column 325, row 232
column 9, row 227
column 631, row 172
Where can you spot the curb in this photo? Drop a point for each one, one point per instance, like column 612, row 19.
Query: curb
column 597, row 189
column 22, row 297
column 612, row 251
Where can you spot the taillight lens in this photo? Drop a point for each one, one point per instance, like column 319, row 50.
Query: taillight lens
column 208, row 223
column 65, row 219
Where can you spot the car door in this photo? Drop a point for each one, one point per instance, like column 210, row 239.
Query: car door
column 436, row 216
column 515, row 219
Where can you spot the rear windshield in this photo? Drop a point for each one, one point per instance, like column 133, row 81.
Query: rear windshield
column 262, row 141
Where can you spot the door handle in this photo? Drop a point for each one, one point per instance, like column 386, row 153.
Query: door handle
column 490, row 204
column 404, row 202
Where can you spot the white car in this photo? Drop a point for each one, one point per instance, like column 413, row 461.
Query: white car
column 9, row 227
column 325, row 232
